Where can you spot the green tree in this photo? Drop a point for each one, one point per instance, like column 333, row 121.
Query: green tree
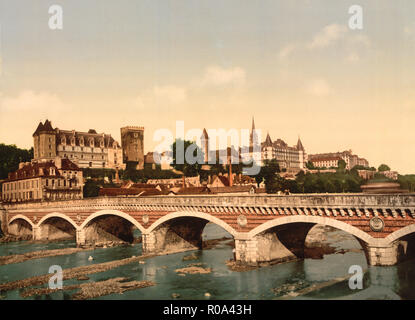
column 310, row 165
column 383, row 167
column 10, row 157
column 341, row 165
column 91, row 189
column 185, row 165
column 270, row 175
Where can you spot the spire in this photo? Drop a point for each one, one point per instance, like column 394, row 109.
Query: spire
column 268, row 141
column 299, row 145
column 205, row 134
column 253, row 139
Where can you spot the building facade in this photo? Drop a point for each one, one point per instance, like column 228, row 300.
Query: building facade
column 86, row 149
column 41, row 180
column 132, row 142
column 324, row 159
column 289, row 158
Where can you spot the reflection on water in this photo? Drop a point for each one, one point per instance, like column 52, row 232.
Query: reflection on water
column 379, row 282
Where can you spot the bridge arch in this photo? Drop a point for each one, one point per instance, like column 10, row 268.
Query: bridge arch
column 20, row 216
column 361, row 235
column 113, row 213
column 58, row 215
column 400, row 233
column 194, row 214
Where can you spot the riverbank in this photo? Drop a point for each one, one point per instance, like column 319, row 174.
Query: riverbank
column 71, row 273
column 18, row 258
column 92, row 290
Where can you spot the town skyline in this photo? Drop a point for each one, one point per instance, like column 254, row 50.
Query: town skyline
column 154, row 64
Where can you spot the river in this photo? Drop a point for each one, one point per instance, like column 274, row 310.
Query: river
column 262, row 283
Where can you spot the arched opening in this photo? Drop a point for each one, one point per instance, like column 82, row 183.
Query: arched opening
column 189, row 232
column 406, row 247
column 108, row 229
column 323, row 239
column 291, row 238
column 21, row 228
column 56, row 228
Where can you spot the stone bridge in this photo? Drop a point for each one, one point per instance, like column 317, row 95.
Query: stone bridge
column 265, row 228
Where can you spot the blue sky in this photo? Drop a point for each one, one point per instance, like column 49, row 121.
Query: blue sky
column 295, row 65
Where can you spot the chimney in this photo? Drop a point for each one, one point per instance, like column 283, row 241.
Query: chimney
column 117, row 177
column 230, row 175
column 58, row 162
column 184, row 182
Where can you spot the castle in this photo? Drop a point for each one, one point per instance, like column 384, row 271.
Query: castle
column 86, row 149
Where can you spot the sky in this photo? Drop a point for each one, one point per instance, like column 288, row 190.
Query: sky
column 295, row 65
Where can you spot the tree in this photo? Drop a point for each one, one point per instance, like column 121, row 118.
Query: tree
column 191, row 153
column 341, row 165
column 310, row 165
column 270, row 172
column 10, row 157
column 383, row 167
column 91, row 189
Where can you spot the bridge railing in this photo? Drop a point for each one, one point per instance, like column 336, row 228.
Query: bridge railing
column 303, row 200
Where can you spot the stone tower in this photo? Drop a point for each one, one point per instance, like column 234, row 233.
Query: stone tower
column 44, row 141
column 132, row 143
column 204, row 139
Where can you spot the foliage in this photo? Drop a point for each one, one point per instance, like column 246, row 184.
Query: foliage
column 10, row 157
column 147, row 173
column 407, row 182
column 99, row 173
column 309, row 165
column 188, row 169
column 383, row 167
column 269, row 171
column 91, row 188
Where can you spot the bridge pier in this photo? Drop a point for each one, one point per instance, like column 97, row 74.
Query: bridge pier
column 387, row 255
column 80, row 237
column 246, row 250
column 149, row 242
column 37, row 233
column 3, row 222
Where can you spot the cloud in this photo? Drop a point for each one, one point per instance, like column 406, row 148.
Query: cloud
column 318, row 88
column 173, row 94
column 328, row 35
column 29, row 100
column 286, row 51
column 218, row 76
column 353, row 57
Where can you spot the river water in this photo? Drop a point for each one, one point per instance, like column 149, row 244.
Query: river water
column 263, row 283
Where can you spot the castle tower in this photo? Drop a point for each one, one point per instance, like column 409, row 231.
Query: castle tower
column 44, row 141
column 132, row 143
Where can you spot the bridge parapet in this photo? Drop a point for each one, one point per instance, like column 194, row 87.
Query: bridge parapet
column 406, row 201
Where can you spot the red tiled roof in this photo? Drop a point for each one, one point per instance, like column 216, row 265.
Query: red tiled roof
column 193, row 190
column 33, row 170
